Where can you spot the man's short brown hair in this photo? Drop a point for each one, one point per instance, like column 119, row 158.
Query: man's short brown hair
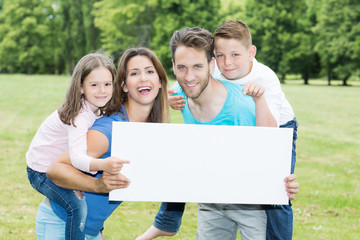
column 195, row 37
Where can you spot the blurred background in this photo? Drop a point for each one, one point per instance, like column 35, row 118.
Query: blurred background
column 307, row 39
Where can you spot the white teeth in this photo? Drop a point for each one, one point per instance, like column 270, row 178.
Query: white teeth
column 191, row 85
column 144, row 88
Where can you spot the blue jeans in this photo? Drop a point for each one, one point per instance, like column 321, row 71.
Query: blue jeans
column 74, row 206
column 168, row 218
column 50, row 227
column 280, row 217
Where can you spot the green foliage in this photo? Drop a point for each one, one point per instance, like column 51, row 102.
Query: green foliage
column 232, row 10
column 292, row 37
column 124, row 24
column 173, row 15
column 278, row 33
column 25, row 35
column 338, row 37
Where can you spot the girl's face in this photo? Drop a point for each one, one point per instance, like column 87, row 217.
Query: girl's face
column 142, row 81
column 98, row 88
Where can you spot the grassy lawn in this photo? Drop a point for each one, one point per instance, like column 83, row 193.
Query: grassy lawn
column 328, row 153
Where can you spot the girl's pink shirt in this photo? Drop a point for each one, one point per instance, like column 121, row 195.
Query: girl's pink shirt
column 54, row 137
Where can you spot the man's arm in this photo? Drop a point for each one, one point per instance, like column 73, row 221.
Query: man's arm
column 63, row 174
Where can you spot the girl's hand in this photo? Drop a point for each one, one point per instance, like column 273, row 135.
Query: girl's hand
column 176, row 102
column 113, row 165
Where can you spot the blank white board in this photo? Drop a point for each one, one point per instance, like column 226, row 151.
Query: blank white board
column 202, row 163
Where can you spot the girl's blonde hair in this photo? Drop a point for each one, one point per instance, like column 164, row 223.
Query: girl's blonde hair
column 160, row 109
column 73, row 101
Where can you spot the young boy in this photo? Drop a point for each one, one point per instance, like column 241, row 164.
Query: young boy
column 235, row 58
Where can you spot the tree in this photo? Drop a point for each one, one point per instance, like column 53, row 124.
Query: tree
column 338, row 38
column 172, row 15
column 25, row 31
column 124, row 24
column 274, row 25
column 80, row 34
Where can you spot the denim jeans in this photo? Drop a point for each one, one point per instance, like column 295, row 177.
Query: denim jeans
column 280, row 217
column 168, row 218
column 74, row 206
column 50, row 227
column 223, row 221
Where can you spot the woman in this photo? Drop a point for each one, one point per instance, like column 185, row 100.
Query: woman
column 140, row 96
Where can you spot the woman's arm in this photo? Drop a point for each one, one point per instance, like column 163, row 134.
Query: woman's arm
column 63, row 174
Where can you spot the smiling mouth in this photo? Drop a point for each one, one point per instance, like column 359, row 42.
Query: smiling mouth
column 144, row 89
column 191, row 85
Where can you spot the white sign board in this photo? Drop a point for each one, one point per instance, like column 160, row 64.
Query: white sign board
column 202, row 163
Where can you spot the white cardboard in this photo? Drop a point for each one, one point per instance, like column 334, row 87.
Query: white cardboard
column 202, row 163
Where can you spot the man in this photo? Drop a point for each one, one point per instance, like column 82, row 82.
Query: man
column 213, row 102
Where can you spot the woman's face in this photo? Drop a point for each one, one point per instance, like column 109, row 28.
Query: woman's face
column 142, row 81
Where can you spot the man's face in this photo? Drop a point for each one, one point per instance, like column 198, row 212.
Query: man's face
column 192, row 70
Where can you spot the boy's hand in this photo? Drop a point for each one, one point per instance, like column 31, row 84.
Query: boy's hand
column 254, row 90
column 175, row 102
column 113, row 165
column 291, row 187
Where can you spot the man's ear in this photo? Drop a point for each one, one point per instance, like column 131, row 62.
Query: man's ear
column 212, row 65
column 173, row 63
column 252, row 52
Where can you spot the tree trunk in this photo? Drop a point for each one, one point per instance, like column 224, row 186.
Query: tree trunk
column 345, row 80
column 282, row 78
column 306, row 78
column 329, row 78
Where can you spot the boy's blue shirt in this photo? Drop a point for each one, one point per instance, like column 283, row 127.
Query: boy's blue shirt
column 238, row 110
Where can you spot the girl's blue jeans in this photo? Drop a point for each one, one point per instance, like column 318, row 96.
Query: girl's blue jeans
column 74, row 205
column 280, row 217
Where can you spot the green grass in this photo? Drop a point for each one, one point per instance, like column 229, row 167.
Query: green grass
column 328, row 153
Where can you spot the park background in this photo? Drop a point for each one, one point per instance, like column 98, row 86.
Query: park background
column 313, row 46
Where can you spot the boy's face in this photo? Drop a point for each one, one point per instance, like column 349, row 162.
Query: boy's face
column 233, row 59
column 192, row 70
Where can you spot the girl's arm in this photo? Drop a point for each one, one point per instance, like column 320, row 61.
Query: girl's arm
column 63, row 174
column 264, row 118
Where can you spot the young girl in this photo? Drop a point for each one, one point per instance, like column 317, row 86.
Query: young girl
column 90, row 90
column 140, row 96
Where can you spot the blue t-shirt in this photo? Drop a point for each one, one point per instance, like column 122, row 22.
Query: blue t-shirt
column 98, row 205
column 238, row 109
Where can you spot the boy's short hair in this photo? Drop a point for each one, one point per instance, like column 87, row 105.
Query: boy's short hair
column 196, row 37
column 234, row 29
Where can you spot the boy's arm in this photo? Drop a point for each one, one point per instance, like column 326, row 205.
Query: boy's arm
column 176, row 102
column 264, row 117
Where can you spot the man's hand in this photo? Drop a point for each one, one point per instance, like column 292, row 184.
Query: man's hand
column 108, row 182
column 291, row 187
column 176, row 102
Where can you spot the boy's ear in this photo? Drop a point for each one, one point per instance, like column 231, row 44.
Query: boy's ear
column 252, row 52
column 212, row 65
